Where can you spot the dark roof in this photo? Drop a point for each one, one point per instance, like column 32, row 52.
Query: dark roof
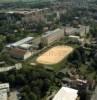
column 17, row 52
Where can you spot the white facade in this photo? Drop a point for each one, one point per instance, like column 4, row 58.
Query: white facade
column 27, row 55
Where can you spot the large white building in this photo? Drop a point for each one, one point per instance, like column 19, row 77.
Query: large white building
column 66, row 93
column 4, row 89
column 20, row 42
column 21, row 49
column 52, row 36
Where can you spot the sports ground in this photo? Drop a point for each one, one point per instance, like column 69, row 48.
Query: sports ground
column 54, row 55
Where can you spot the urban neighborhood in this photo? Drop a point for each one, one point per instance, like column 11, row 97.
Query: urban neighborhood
column 48, row 49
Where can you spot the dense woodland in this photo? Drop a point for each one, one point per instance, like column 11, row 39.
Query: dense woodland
column 32, row 83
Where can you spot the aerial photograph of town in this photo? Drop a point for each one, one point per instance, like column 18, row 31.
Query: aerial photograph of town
column 48, row 49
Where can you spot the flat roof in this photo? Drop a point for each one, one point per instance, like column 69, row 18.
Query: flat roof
column 22, row 41
column 73, row 36
column 25, row 46
column 66, row 93
column 5, row 85
column 51, row 32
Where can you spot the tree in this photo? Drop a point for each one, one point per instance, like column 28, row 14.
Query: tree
column 26, row 89
column 11, row 79
column 10, row 38
column 41, row 45
column 24, row 96
column 32, row 96
column 2, row 41
column 20, row 80
column 37, row 91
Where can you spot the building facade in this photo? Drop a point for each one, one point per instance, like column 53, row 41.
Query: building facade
column 20, row 53
column 81, row 30
column 52, row 36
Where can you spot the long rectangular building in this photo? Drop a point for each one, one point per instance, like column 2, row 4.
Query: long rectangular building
column 22, row 41
column 52, row 36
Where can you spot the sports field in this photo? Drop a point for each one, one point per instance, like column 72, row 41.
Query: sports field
column 54, row 55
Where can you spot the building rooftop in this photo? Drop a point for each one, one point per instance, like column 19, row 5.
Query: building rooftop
column 51, row 32
column 73, row 36
column 27, row 11
column 2, row 62
column 66, row 93
column 25, row 46
column 17, row 52
column 3, row 86
column 21, row 41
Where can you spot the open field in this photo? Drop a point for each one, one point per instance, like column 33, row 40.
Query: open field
column 54, row 55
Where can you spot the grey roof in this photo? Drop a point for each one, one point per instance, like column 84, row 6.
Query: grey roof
column 22, row 41
column 51, row 32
